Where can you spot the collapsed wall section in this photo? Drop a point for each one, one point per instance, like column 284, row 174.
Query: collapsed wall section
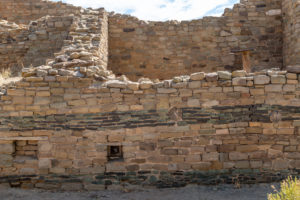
column 24, row 46
column 13, row 45
column 85, row 51
column 291, row 50
column 205, row 128
column 46, row 37
column 166, row 49
column 22, row 12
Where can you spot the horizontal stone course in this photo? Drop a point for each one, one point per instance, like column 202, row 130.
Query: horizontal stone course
column 158, row 179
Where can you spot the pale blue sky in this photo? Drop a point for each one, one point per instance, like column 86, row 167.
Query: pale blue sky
column 160, row 10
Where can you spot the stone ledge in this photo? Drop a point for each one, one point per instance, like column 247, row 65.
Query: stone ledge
column 24, row 138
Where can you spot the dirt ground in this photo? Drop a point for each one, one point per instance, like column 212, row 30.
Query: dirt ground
column 193, row 192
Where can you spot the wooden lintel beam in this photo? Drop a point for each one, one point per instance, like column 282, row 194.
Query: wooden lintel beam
column 245, row 58
column 246, row 61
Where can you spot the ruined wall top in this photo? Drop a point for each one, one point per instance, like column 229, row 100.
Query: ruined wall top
column 24, row 11
column 138, row 48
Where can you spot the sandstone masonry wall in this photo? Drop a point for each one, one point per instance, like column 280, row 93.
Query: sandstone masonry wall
column 20, row 11
column 291, row 10
column 33, row 44
column 13, row 45
column 86, row 48
column 191, row 129
column 72, row 124
column 166, row 49
column 46, row 37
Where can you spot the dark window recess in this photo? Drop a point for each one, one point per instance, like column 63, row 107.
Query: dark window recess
column 143, row 66
column 127, row 30
column 166, row 58
column 114, row 153
column 261, row 6
column 26, row 148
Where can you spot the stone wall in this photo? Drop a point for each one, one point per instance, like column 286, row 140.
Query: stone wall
column 20, row 11
column 166, row 49
column 13, row 45
column 73, row 124
column 291, row 49
column 86, row 46
column 50, row 39
column 45, row 38
column 203, row 128
column 23, row 46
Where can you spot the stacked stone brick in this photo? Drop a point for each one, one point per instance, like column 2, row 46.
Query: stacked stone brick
column 22, row 12
column 13, row 46
column 230, row 122
column 167, row 49
column 32, row 45
column 73, row 124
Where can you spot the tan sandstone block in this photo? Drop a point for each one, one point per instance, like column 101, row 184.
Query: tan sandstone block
column 212, row 156
column 238, row 156
column 15, row 92
column 246, row 148
column 285, row 131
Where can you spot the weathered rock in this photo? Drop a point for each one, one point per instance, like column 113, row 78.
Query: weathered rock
column 166, row 90
column 209, row 104
column 197, row 76
column 6, row 160
column 280, row 164
column 133, row 85
column 146, row 84
column 27, row 72
column 7, row 148
column 293, row 69
column 211, row 77
column 143, row 79
column 75, row 55
column 61, row 58
column 193, row 103
column 64, row 72
column 291, row 76
column 44, row 67
column 273, row 12
column 41, row 73
column 261, row 80
column 273, row 88
column 239, row 81
column 177, row 79
column 123, row 78
column 239, row 73
column 224, row 75
column 225, row 34
column 116, row 84
column 53, row 72
column 278, row 79
column 238, row 156
column 82, row 70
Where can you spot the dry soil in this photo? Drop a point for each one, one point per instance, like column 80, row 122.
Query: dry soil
column 220, row 192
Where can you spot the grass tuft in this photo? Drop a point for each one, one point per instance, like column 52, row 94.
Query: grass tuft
column 289, row 190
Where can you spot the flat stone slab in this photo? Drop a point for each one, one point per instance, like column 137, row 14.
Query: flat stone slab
column 293, row 69
column 24, row 138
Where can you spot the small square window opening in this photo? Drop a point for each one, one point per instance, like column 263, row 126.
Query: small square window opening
column 114, row 153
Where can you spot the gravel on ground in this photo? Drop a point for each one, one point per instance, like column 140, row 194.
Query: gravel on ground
column 192, row 192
